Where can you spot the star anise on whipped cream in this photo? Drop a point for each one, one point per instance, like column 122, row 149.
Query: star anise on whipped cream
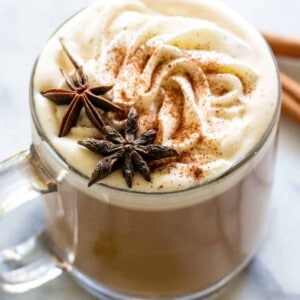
column 128, row 151
column 80, row 94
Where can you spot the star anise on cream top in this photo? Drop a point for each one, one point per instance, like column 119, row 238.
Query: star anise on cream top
column 128, row 151
column 80, row 94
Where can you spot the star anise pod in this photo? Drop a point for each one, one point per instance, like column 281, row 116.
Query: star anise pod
column 80, row 94
column 129, row 152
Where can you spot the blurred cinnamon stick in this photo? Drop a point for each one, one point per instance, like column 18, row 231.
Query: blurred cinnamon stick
column 290, row 107
column 283, row 45
column 290, row 86
column 287, row 46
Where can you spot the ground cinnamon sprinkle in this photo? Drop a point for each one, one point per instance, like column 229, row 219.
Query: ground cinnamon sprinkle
column 219, row 90
column 147, row 122
column 196, row 172
column 172, row 100
column 118, row 56
column 156, row 75
column 141, row 57
column 123, row 96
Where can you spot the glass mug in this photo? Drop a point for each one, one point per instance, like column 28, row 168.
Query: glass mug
column 117, row 244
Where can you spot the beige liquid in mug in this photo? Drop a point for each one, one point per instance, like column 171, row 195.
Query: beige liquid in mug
column 205, row 81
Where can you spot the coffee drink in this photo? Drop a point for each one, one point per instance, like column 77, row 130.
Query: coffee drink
column 165, row 252
column 205, row 81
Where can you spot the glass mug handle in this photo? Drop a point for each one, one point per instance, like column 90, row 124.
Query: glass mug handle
column 27, row 265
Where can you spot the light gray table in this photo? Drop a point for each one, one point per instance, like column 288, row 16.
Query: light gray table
column 275, row 272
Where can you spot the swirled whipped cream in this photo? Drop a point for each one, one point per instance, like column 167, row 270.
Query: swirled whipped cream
column 195, row 71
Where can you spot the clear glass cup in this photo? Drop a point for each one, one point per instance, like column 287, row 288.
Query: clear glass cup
column 117, row 244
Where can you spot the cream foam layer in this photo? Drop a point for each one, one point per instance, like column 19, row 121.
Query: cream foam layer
column 205, row 81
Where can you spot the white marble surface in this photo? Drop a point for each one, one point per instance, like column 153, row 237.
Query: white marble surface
column 275, row 271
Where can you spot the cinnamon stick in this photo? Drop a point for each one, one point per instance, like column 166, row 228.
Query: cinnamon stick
column 290, row 86
column 290, row 107
column 287, row 46
column 282, row 45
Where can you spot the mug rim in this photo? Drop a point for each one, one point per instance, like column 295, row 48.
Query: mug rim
column 235, row 166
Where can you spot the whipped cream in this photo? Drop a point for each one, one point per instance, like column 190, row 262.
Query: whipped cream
column 195, row 71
